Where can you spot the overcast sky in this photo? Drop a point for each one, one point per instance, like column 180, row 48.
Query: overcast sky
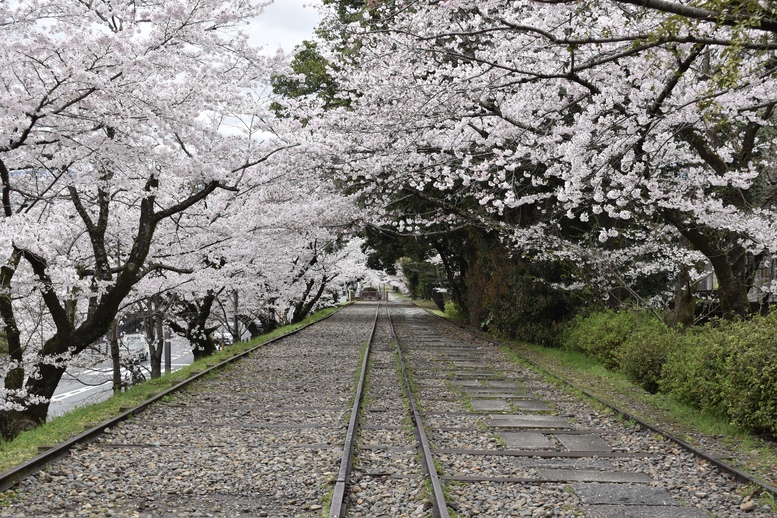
column 285, row 23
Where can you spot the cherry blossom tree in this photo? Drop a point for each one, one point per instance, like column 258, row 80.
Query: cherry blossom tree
column 587, row 131
column 112, row 118
column 264, row 255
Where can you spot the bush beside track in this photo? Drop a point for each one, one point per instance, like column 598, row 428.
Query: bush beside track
column 723, row 367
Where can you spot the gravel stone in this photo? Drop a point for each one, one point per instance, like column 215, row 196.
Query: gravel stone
column 265, row 438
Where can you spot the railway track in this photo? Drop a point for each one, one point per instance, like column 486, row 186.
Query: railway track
column 477, row 434
column 444, row 425
column 260, row 437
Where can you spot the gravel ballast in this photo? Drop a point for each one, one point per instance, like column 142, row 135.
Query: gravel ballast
column 265, row 438
column 261, row 438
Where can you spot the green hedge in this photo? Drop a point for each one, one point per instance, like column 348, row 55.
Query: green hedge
column 600, row 335
column 696, row 366
column 750, row 383
column 644, row 353
column 724, row 367
column 731, row 368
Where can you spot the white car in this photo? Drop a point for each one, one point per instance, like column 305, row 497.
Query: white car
column 135, row 345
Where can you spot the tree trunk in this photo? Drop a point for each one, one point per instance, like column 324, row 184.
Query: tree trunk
column 302, row 309
column 113, row 342
column 44, row 386
column 154, row 325
column 12, row 422
column 251, row 327
column 235, row 331
column 684, row 313
column 14, row 379
column 729, row 262
column 457, row 277
column 158, row 348
column 732, row 286
column 196, row 331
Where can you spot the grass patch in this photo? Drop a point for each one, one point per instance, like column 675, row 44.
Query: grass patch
column 66, row 426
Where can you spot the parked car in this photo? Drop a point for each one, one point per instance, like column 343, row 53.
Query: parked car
column 135, row 346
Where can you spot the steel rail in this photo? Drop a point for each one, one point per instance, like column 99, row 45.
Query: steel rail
column 12, row 476
column 439, row 507
column 337, row 505
column 740, row 475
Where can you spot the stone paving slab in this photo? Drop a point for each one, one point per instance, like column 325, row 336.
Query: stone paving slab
column 475, row 394
column 583, row 442
column 593, row 476
column 493, row 395
column 466, row 383
column 477, row 375
column 505, row 385
column 620, row 494
column 469, row 365
column 525, row 421
column 531, row 405
column 474, row 374
column 497, row 390
column 642, row 511
column 526, row 441
column 567, row 464
column 489, row 405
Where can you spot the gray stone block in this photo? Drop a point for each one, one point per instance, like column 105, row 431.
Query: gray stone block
column 622, row 494
column 532, row 405
column 525, row 421
column 562, row 463
column 526, row 441
column 489, row 405
column 642, row 511
column 469, row 365
column 583, row 442
column 505, row 385
column 593, row 476
column 466, row 383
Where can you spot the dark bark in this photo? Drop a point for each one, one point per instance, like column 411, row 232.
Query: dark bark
column 158, row 345
column 761, row 20
column 269, row 322
column 304, row 306
column 254, row 329
column 153, row 324
column 683, row 315
column 235, row 331
column 456, row 269
column 113, row 343
column 729, row 262
column 103, row 306
column 14, row 380
column 196, row 331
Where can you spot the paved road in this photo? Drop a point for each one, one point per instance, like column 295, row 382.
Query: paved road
column 92, row 385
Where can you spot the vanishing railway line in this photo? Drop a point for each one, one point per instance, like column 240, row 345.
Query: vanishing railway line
column 444, row 425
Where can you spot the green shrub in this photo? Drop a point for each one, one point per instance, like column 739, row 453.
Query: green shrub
column 643, row 354
column 694, row 369
column 750, row 383
column 724, row 367
column 599, row 335
column 452, row 310
column 728, row 367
